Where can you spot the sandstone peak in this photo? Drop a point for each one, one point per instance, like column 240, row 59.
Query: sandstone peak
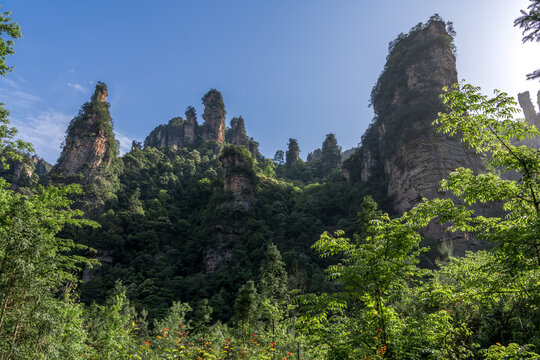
column 531, row 116
column 90, row 151
column 236, row 134
column 401, row 150
column 239, row 176
column 100, row 93
column 214, row 116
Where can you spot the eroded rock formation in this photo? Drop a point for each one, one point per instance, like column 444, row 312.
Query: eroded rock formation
column 531, row 116
column 401, row 148
column 330, row 155
column 190, row 126
column 25, row 172
column 239, row 176
column 90, row 144
column 171, row 134
column 292, row 154
column 314, row 156
column 90, row 155
column 214, row 116
column 236, row 134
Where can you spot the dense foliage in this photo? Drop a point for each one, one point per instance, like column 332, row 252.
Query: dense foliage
column 193, row 277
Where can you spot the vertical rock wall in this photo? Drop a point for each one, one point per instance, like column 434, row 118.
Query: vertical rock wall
column 402, row 148
column 236, row 134
column 90, row 155
column 239, row 176
column 531, row 116
column 214, row 116
column 190, row 127
column 88, row 145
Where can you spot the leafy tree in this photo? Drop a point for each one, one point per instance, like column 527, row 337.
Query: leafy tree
column 35, row 264
column 110, row 327
column 489, row 127
column 13, row 31
column 202, row 316
column 273, row 287
column 386, row 301
column 245, row 308
column 8, row 144
column 529, row 21
column 37, row 268
column 360, row 320
column 273, row 282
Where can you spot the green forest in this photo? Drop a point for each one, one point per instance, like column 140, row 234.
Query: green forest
column 196, row 246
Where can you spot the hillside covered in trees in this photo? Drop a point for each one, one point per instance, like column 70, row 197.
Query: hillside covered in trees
column 423, row 243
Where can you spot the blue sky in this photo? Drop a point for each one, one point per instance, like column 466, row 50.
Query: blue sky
column 298, row 69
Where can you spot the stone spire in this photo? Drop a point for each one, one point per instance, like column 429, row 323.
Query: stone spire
column 214, row 116
column 190, row 127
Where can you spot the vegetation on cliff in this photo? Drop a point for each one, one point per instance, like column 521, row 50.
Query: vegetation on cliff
column 194, row 278
column 89, row 156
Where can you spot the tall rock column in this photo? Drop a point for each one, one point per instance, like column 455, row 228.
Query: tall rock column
column 531, row 116
column 236, row 135
column 190, row 127
column 214, row 116
column 402, row 148
column 90, row 154
column 330, row 155
column 292, row 155
column 239, row 176
column 90, row 144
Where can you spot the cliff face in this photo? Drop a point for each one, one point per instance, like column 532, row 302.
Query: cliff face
column 42, row 167
column 239, row 176
column 90, row 144
column 401, row 148
column 236, row 134
column 315, row 155
column 90, row 154
column 190, row 127
column 214, row 116
column 178, row 133
column 330, row 155
column 292, row 155
column 25, row 172
column 171, row 134
column 531, row 116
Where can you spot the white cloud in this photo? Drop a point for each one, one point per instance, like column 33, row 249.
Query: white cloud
column 125, row 142
column 78, row 87
column 19, row 77
column 9, row 82
column 17, row 99
column 45, row 130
